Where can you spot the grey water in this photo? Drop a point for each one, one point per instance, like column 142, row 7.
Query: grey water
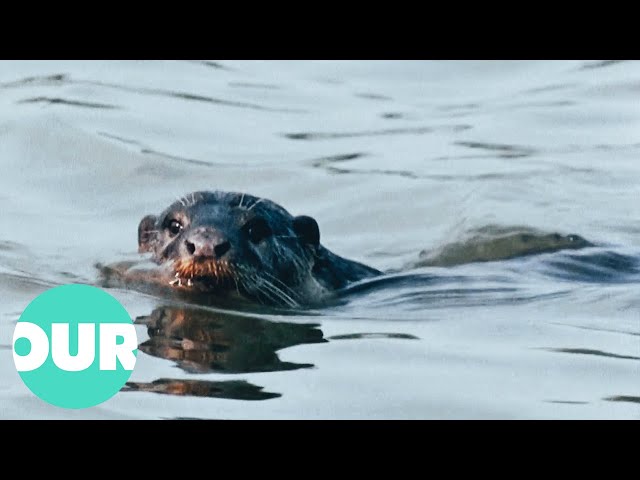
column 391, row 158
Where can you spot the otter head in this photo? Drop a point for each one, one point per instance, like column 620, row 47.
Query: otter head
column 222, row 241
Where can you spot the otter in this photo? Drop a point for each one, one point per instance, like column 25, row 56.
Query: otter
column 235, row 242
column 495, row 242
column 228, row 243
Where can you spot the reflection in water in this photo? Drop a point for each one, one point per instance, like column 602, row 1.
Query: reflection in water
column 201, row 341
column 234, row 389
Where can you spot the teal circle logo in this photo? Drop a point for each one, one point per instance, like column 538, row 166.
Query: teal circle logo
column 75, row 346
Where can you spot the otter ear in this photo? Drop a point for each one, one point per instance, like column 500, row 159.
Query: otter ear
column 307, row 229
column 147, row 225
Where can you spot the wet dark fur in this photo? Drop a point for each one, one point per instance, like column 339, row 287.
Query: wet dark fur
column 240, row 243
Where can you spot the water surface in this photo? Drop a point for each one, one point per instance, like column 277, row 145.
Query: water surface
column 391, row 158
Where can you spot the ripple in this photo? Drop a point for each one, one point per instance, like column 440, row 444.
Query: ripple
column 62, row 79
column 363, row 336
column 44, row 80
column 459, row 106
column 549, row 88
column 597, row 329
column 623, row 398
column 211, row 64
column 601, row 64
column 9, row 246
column 328, row 164
column 418, row 291
column 343, row 157
column 201, row 98
column 373, row 96
column 150, row 151
column 393, row 115
column 567, row 402
column 500, row 150
column 598, row 267
column 372, row 133
column 265, row 86
column 72, row 103
column 588, row 351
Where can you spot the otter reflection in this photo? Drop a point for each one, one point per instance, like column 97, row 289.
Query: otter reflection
column 236, row 390
column 201, row 341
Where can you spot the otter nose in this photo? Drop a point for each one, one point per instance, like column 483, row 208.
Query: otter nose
column 207, row 243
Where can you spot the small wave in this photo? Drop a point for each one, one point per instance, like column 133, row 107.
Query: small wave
column 72, row 103
column 550, row 88
column 601, row 64
column 393, row 115
column 373, row 96
column 623, row 398
column 372, row 133
column 593, row 267
column 211, row 64
column 264, row 86
column 567, row 402
column 344, row 157
column 41, row 81
column 598, row 329
column 588, row 351
column 58, row 80
column 500, row 150
column 366, row 336
column 417, row 291
column 150, row 151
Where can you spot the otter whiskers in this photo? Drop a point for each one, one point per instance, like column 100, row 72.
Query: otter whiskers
column 186, row 271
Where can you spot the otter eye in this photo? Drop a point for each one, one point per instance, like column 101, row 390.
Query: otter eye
column 175, row 227
column 258, row 229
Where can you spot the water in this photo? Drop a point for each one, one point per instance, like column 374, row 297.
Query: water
column 391, row 158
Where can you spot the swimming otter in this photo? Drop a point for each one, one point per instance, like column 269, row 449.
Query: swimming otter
column 235, row 242
column 227, row 242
